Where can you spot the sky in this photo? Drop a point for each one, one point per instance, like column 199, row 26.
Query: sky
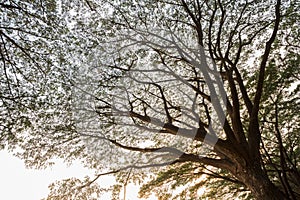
column 17, row 182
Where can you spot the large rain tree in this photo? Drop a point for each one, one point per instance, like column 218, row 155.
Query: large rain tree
column 200, row 94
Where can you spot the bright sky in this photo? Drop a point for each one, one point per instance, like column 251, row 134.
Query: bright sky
column 17, row 182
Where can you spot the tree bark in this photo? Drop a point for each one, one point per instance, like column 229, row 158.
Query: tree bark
column 260, row 185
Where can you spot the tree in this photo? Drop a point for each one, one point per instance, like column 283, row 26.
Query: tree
column 186, row 88
column 34, row 56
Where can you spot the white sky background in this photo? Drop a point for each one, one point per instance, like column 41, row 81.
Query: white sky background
column 17, row 182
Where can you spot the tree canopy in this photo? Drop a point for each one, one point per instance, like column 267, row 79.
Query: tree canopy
column 187, row 95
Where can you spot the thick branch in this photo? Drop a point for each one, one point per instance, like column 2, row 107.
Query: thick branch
column 254, row 132
column 9, row 6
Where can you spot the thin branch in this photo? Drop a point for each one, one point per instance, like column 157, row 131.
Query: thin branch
column 123, row 169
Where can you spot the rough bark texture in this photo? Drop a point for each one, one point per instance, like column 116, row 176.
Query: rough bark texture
column 260, row 185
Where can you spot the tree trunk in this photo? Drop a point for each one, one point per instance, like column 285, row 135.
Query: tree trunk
column 261, row 186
